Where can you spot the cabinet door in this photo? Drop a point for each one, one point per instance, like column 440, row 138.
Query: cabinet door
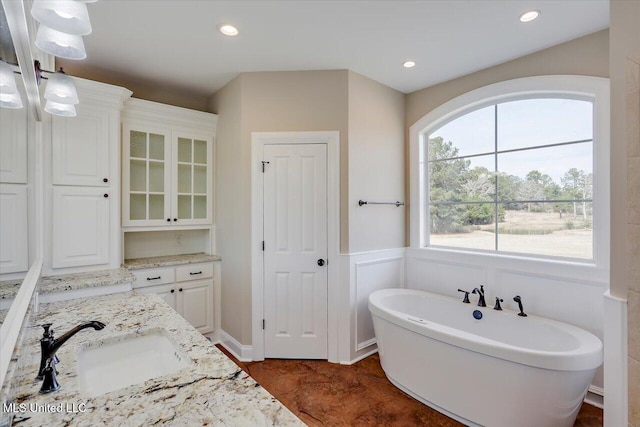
column 80, row 226
column 13, row 145
column 195, row 304
column 192, row 179
column 166, row 292
column 80, row 147
column 14, row 249
column 146, row 176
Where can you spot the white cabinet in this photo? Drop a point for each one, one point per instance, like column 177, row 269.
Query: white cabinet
column 167, row 168
column 14, row 253
column 191, row 295
column 80, row 147
column 13, row 145
column 81, row 226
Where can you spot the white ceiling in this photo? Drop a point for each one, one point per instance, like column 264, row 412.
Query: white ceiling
column 176, row 43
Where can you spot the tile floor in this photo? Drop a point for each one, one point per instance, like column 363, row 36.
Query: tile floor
column 328, row 394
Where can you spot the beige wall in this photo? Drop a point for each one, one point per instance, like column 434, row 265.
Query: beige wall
column 142, row 88
column 625, row 180
column 376, row 165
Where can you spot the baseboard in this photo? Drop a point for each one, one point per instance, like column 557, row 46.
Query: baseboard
column 360, row 357
column 243, row 353
column 595, row 396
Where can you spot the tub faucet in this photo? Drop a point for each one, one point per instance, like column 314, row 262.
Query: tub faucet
column 466, row 296
column 480, row 292
column 519, row 301
column 498, row 306
column 49, row 346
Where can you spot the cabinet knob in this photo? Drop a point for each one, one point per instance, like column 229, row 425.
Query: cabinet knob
column 106, row 195
column 168, row 219
column 180, row 289
column 173, row 290
column 105, row 179
column 175, row 219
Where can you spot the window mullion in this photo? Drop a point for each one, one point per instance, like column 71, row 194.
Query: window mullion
column 495, row 153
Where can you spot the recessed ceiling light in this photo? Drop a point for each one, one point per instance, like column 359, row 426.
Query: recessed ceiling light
column 529, row 16
column 409, row 64
column 228, row 30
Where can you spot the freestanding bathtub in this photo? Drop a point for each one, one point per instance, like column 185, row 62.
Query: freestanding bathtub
column 501, row 370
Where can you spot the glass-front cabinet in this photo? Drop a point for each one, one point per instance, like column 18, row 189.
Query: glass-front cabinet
column 167, row 177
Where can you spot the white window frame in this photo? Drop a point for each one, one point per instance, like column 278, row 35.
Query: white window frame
column 594, row 89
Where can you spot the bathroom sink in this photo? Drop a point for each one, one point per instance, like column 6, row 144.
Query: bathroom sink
column 128, row 360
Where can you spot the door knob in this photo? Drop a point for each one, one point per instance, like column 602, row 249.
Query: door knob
column 320, row 262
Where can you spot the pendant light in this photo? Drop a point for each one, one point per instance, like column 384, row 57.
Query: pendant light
column 67, row 16
column 58, row 43
column 60, row 89
column 9, row 94
column 57, row 109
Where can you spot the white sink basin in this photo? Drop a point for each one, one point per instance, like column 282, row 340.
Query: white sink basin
column 126, row 361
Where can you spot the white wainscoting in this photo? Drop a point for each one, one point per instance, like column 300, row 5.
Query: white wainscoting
column 365, row 273
column 568, row 292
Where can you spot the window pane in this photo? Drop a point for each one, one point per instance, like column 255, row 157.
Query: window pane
column 467, row 179
column 553, row 173
column 554, row 229
column 469, row 226
column 473, row 133
column 535, row 122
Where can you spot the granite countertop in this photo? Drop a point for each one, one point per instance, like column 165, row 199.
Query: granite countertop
column 91, row 279
column 9, row 288
column 212, row 390
column 168, row 260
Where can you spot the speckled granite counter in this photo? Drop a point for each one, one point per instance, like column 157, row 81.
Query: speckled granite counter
column 91, row 279
column 9, row 288
column 212, row 390
column 163, row 261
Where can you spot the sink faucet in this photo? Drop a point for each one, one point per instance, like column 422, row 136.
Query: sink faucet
column 49, row 346
column 480, row 292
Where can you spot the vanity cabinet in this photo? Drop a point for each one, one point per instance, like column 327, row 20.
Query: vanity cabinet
column 188, row 289
column 85, row 179
column 167, row 167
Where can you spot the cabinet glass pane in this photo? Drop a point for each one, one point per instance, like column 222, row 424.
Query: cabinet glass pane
column 184, row 179
column 156, row 206
column 200, row 151
column 138, row 206
column 138, row 175
column 138, row 143
column 184, row 207
column 199, row 206
column 156, row 146
column 156, row 176
column 200, row 179
column 184, row 150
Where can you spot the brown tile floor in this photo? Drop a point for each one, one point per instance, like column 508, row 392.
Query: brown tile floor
column 328, row 394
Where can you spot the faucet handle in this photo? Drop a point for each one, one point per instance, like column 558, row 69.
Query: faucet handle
column 466, row 296
column 48, row 333
column 498, row 306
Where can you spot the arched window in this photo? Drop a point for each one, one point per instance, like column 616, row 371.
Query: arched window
column 520, row 167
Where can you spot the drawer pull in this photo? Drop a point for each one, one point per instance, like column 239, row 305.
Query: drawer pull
column 173, row 290
column 195, row 274
column 154, row 278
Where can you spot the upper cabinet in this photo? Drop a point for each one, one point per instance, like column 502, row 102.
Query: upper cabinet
column 13, row 144
column 167, row 165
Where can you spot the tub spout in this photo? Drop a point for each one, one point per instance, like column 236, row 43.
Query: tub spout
column 480, row 292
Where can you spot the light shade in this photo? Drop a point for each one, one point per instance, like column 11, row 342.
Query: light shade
column 57, row 109
column 68, row 16
column 7, row 79
column 60, row 44
column 10, row 100
column 60, row 89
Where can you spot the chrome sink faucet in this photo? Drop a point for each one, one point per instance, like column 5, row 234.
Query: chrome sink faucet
column 480, row 292
column 49, row 346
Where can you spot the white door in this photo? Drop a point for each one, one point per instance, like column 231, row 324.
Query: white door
column 295, row 256
column 80, row 226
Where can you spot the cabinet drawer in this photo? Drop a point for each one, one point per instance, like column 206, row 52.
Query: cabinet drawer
column 194, row 272
column 153, row 277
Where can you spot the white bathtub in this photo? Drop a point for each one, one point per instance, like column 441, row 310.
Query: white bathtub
column 502, row 370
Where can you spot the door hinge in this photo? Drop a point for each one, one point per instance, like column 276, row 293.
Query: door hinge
column 264, row 163
column 263, row 245
column 262, row 323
